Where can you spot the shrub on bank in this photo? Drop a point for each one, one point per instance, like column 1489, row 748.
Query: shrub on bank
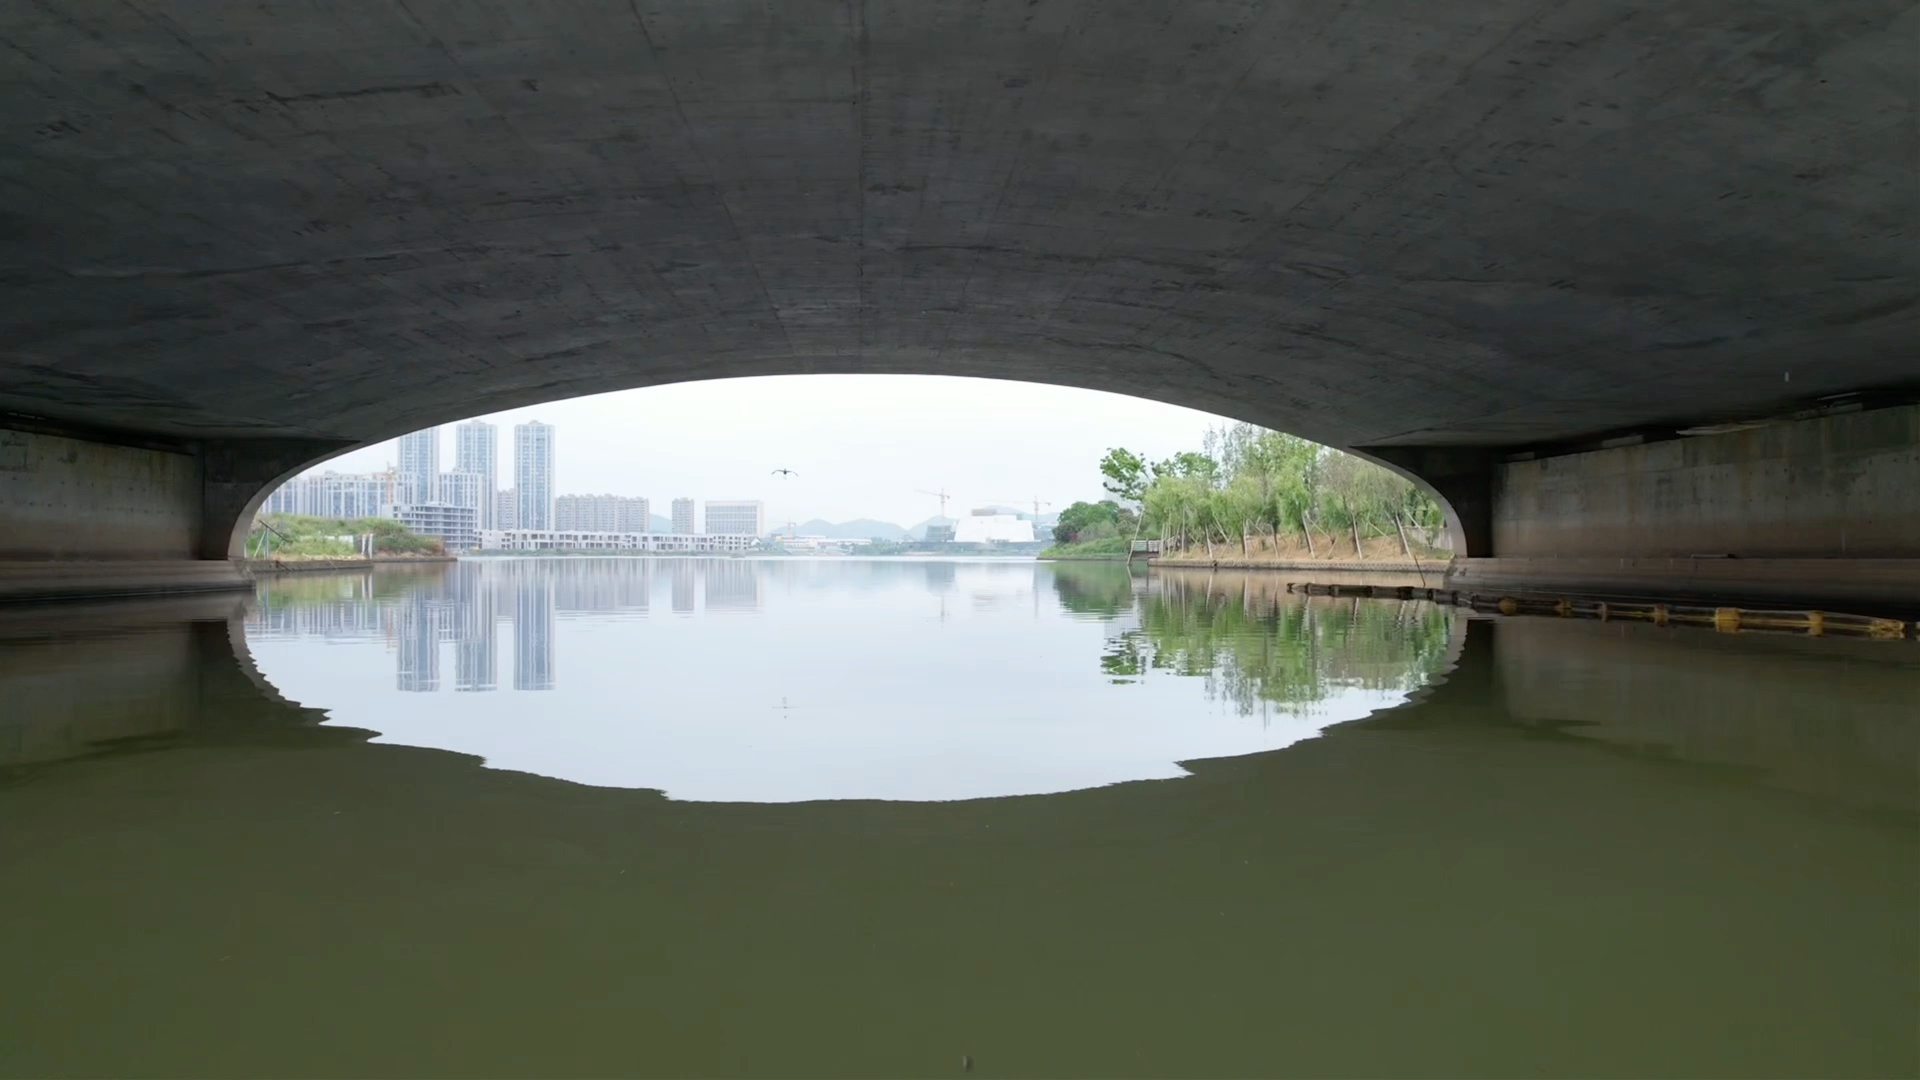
column 300, row 536
column 1107, row 547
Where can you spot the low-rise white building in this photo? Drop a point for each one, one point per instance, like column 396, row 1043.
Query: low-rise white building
column 803, row 545
column 580, row 540
column 456, row 526
column 989, row 528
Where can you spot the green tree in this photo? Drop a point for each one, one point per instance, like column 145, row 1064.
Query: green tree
column 1082, row 521
column 1126, row 474
column 1248, row 481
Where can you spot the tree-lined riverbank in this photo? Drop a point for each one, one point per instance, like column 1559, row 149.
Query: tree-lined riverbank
column 1255, row 495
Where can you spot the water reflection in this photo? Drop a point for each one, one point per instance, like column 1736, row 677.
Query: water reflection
column 842, row 680
column 1579, row 850
column 87, row 679
column 1260, row 647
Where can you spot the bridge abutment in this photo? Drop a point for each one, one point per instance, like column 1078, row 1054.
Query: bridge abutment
column 97, row 514
column 1815, row 510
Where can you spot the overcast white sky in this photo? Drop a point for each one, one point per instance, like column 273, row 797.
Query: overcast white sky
column 862, row 444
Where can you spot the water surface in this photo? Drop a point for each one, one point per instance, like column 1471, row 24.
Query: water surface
column 784, row 680
column 551, row 817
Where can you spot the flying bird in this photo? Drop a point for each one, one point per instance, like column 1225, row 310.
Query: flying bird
column 785, row 472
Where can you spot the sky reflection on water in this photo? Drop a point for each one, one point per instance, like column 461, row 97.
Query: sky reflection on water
column 789, row 680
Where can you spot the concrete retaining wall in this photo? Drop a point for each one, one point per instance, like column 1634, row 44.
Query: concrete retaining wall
column 64, row 498
column 321, row 566
column 1837, row 487
column 1861, row 586
column 98, row 578
column 1353, row 566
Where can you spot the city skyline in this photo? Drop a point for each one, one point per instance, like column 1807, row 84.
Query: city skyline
column 461, row 504
column 859, row 446
column 461, row 501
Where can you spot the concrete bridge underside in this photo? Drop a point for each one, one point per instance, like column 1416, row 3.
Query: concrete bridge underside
column 1625, row 285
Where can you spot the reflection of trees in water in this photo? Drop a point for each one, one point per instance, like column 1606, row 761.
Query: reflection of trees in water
column 1093, row 588
column 1258, row 646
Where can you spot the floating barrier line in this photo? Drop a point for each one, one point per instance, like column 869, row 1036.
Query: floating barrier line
column 1727, row 620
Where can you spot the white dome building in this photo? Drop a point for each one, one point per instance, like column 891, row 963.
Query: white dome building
column 991, row 528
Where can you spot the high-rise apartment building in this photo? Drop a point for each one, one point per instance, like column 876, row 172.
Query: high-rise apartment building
column 334, row 495
column 419, row 467
column 683, row 516
column 735, row 517
column 573, row 513
column 506, row 509
column 601, row 513
column 635, row 516
column 476, row 453
column 533, row 474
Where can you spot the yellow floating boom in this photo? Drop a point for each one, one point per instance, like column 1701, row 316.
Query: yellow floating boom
column 1727, row 620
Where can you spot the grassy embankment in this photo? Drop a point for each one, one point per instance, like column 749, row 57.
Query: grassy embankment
column 1260, row 549
column 1286, row 550
column 301, row 537
column 1109, row 547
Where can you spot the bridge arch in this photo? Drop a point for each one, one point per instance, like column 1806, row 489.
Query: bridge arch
column 1525, row 254
column 228, row 531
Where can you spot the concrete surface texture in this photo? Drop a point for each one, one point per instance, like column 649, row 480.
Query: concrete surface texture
column 1844, row 486
column 73, row 498
column 1371, row 223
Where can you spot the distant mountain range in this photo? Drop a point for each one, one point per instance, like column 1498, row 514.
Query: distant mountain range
column 919, row 532
column 869, row 529
column 857, row 529
column 661, row 523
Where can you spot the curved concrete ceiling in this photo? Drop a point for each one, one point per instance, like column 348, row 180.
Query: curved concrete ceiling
column 1371, row 223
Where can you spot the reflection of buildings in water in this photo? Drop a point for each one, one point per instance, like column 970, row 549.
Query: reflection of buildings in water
column 533, row 636
column 683, row 581
column 475, row 652
column 995, row 585
column 418, row 667
column 732, row 586
column 939, row 576
column 462, row 608
column 600, row 585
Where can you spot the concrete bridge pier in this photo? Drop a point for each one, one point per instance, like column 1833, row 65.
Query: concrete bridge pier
column 1819, row 510
column 102, row 514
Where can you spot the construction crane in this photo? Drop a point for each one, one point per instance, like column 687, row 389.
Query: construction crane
column 1037, row 502
column 941, row 495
